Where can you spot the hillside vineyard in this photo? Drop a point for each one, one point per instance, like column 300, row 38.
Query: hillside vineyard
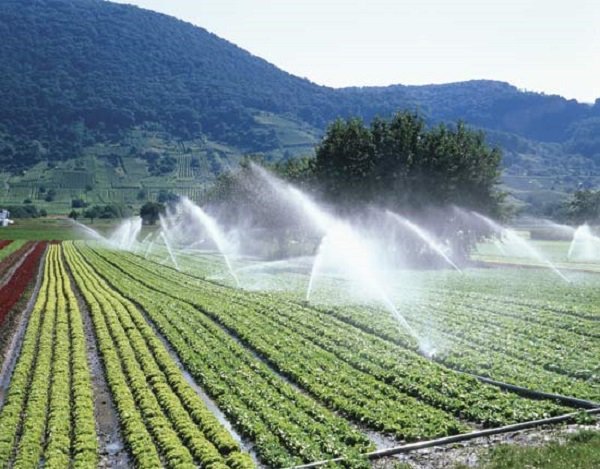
column 105, row 101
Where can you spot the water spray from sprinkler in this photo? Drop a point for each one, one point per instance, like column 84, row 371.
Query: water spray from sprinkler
column 214, row 232
column 341, row 245
column 585, row 246
column 425, row 236
column 510, row 237
column 164, row 234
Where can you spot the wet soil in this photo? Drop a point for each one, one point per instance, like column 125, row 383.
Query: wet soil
column 111, row 447
column 13, row 347
column 244, row 443
column 472, row 453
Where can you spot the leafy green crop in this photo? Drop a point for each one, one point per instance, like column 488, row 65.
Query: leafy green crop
column 369, row 374
column 148, row 385
column 286, row 426
column 49, row 411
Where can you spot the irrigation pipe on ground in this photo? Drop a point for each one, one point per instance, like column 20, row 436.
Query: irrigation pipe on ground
column 567, row 400
column 458, row 438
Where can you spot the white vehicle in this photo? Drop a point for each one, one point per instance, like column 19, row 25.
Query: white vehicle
column 4, row 218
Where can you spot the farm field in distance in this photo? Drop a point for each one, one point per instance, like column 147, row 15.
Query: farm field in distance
column 202, row 368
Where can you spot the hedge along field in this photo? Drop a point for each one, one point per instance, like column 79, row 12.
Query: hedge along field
column 48, row 414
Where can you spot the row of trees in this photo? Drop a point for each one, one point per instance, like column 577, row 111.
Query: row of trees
column 149, row 212
column 25, row 211
column 108, row 212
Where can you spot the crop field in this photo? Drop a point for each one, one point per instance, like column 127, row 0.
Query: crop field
column 35, row 229
column 555, row 251
column 198, row 372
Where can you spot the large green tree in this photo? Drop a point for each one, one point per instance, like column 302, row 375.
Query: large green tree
column 401, row 164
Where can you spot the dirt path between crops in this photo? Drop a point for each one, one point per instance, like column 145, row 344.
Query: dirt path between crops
column 14, row 348
column 473, row 453
column 111, row 448
column 11, row 271
column 244, row 443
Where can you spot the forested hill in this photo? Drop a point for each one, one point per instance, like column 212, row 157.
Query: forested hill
column 75, row 74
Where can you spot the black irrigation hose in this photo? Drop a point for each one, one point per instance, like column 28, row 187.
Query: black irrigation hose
column 592, row 409
column 566, row 400
column 458, row 438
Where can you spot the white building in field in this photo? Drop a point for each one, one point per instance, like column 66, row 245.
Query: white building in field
column 4, row 218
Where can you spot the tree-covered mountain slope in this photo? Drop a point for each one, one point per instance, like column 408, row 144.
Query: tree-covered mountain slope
column 89, row 85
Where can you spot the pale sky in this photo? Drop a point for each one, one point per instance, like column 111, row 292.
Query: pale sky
column 550, row 46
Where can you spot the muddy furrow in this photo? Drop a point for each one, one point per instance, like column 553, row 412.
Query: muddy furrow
column 111, row 447
column 14, row 347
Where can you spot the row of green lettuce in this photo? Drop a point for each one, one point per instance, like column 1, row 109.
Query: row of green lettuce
column 48, row 414
column 387, row 387
column 164, row 421
column 285, row 426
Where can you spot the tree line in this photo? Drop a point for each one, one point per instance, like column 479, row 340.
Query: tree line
column 396, row 163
